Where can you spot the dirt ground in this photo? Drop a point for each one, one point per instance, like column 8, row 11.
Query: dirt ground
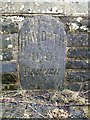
column 45, row 104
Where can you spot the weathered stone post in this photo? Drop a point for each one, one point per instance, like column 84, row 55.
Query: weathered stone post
column 42, row 52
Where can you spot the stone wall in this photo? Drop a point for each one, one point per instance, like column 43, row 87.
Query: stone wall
column 62, row 7
column 77, row 65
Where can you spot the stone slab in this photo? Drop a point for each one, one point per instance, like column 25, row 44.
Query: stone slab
column 42, row 52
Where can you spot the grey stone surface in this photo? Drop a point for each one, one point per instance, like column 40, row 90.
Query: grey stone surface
column 77, row 40
column 62, row 7
column 9, row 27
column 8, row 47
column 75, row 86
column 78, row 53
column 78, row 43
column 75, row 64
column 78, row 76
column 8, row 67
column 7, row 55
column 6, row 40
column 42, row 52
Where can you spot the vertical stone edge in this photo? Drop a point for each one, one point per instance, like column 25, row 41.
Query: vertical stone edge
column 1, row 109
column 88, row 44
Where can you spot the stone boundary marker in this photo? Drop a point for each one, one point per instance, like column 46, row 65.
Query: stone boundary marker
column 77, row 63
column 42, row 53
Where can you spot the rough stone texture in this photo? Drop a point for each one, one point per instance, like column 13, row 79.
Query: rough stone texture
column 75, row 86
column 9, row 27
column 75, row 64
column 79, row 86
column 78, row 76
column 77, row 43
column 8, row 67
column 78, row 53
column 9, row 45
column 7, row 55
column 71, row 64
column 77, row 40
column 64, row 7
column 42, row 53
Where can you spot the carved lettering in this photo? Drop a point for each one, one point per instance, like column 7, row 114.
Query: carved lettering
column 32, row 37
column 40, row 56
column 38, row 72
column 41, row 52
column 43, row 36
